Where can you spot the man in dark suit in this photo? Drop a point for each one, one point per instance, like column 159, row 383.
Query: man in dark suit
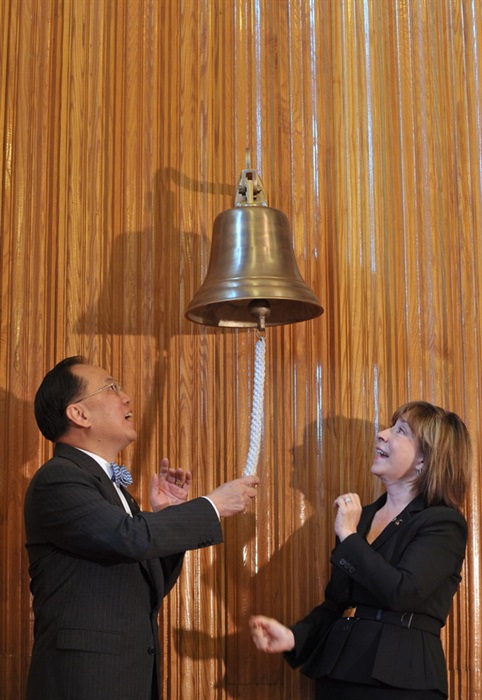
column 99, row 566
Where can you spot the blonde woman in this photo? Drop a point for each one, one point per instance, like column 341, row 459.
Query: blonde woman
column 395, row 570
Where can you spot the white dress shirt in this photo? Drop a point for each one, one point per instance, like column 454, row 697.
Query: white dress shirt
column 108, row 470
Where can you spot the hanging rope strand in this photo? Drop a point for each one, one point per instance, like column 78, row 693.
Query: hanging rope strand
column 257, row 412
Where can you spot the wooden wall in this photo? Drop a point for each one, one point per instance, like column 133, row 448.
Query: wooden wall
column 124, row 125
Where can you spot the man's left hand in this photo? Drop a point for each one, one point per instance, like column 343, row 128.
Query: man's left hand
column 170, row 487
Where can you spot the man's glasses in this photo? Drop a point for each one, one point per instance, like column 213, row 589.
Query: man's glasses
column 112, row 386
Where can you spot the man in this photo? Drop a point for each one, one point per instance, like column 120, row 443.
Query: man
column 99, row 566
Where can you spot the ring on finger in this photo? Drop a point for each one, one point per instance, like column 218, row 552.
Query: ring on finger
column 347, row 500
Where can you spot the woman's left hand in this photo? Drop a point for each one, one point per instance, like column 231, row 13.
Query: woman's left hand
column 347, row 514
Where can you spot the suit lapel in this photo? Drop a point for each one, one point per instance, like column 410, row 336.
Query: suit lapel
column 152, row 569
column 85, row 461
column 131, row 501
column 368, row 513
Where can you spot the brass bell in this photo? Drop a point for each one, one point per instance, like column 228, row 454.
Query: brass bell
column 252, row 278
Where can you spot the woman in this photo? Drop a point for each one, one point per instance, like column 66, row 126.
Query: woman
column 396, row 567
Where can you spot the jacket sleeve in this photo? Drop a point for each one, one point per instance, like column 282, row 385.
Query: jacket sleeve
column 65, row 507
column 311, row 632
column 424, row 559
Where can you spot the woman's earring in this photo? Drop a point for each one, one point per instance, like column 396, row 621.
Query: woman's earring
column 418, row 471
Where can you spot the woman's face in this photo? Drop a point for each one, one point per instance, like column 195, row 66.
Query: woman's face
column 398, row 455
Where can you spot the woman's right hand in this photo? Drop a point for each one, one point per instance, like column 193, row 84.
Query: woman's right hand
column 270, row 636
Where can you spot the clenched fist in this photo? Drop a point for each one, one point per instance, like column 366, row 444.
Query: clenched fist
column 234, row 497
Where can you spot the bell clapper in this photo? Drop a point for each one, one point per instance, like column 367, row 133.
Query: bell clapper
column 261, row 309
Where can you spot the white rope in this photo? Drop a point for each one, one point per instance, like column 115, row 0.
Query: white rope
column 257, row 413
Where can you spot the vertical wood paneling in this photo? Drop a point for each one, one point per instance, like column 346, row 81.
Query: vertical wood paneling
column 124, row 126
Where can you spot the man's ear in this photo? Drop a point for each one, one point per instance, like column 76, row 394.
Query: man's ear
column 77, row 415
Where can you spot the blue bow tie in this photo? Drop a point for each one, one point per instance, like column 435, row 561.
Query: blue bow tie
column 120, row 475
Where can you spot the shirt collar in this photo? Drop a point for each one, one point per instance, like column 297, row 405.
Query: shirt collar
column 100, row 461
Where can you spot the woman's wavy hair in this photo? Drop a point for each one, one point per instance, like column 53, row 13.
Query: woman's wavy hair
column 447, row 452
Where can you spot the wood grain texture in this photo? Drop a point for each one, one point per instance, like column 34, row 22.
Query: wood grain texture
column 124, row 126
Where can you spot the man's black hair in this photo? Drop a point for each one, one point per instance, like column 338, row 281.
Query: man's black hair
column 58, row 389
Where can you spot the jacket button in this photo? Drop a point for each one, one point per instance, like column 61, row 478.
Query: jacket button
column 150, row 650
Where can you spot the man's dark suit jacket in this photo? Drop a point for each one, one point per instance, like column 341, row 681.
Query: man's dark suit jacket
column 98, row 577
column 413, row 566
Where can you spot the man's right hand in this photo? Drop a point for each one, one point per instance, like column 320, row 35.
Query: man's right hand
column 234, row 497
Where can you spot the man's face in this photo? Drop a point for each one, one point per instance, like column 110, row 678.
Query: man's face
column 107, row 410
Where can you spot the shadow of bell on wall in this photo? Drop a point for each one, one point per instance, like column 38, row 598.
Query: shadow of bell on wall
column 134, row 285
